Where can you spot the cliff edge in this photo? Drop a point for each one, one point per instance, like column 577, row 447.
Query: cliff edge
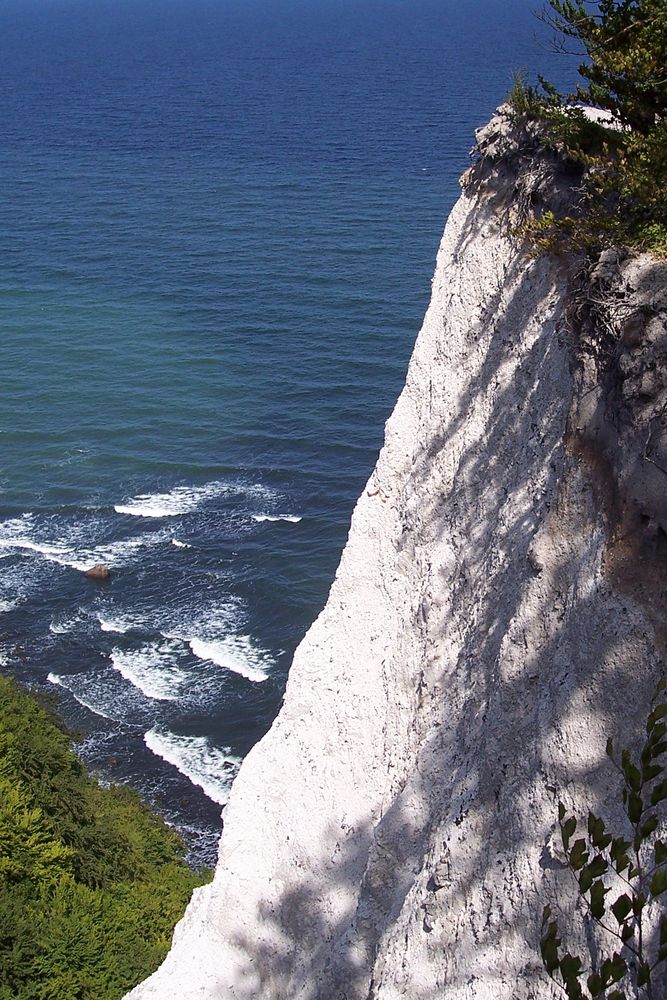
column 498, row 612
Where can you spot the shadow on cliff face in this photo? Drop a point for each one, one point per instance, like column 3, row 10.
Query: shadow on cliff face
column 530, row 659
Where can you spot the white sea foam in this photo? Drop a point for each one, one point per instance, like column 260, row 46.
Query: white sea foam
column 153, row 669
column 65, row 624
column 180, row 545
column 213, row 770
column 110, row 554
column 73, row 685
column 16, row 526
column 123, row 551
column 7, row 605
column 118, row 625
column 58, row 553
column 184, row 499
column 181, row 500
column 292, row 518
column 235, row 653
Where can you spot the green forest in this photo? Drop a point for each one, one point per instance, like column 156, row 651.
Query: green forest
column 92, row 882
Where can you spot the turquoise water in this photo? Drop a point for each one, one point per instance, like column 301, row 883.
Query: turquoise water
column 219, row 223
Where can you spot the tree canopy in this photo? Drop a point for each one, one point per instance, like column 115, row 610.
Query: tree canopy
column 624, row 72
column 91, row 881
column 626, row 47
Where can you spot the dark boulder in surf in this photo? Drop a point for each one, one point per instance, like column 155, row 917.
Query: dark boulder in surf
column 98, row 573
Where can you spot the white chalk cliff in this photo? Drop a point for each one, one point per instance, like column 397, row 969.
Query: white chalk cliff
column 498, row 612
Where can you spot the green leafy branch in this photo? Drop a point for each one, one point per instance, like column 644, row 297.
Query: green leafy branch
column 602, row 862
column 623, row 158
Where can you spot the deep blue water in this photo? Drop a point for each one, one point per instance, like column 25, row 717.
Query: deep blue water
column 218, row 224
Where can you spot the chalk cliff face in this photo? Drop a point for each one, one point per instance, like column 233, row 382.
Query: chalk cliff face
column 499, row 611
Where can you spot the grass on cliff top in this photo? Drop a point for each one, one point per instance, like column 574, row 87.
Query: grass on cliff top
column 623, row 196
column 91, row 881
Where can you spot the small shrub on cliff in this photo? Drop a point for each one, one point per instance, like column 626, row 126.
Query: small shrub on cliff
column 621, row 881
column 91, row 882
column 624, row 160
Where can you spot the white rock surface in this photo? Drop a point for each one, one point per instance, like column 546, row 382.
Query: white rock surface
column 390, row 836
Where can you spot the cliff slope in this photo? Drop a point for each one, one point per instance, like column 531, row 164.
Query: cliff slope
column 497, row 614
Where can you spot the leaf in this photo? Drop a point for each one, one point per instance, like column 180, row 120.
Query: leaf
column 578, row 854
column 651, row 771
column 610, row 747
column 619, row 853
column 658, row 732
column 643, row 974
column 549, row 945
column 663, row 929
column 570, row 967
column 598, row 892
column 659, row 792
column 585, row 880
column 622, row 907
column 658, row 749
column 596, row 832
column 567, row 829
column 635, row 807
column 594, row 983
column 638, row 903
column 659, row 712
column 561, row 812
column 659, row 882
column 627, row 932
column 598, row 866
column 632, row 775
column 549, row 951
column 613, row 969
column 660, row 852
column 649, row 825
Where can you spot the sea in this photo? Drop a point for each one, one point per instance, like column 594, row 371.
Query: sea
column 218, row 226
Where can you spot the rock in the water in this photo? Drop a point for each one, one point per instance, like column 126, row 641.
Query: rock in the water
column 98, row 573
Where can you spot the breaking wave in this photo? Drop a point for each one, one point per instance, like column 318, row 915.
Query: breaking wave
column 82, row 691
column 292, row 518
column 206, row 766
column 235, row 653
column 184, row 499
column 153, row 669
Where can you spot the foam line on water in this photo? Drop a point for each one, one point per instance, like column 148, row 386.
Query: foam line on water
column 70, row 684
column 111, row 554
column 185, row 499
column 63, row 625
column 153, row 669
column 206, row 766
column 291, row 518
column 235, row 653
column 118, row 625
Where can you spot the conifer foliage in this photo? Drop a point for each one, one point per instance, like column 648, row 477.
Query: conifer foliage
column 626, row 44
column 91, row 882
column 623, row 160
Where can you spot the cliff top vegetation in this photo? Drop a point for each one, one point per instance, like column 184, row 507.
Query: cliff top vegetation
column 91, row 881
column 623, row 198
